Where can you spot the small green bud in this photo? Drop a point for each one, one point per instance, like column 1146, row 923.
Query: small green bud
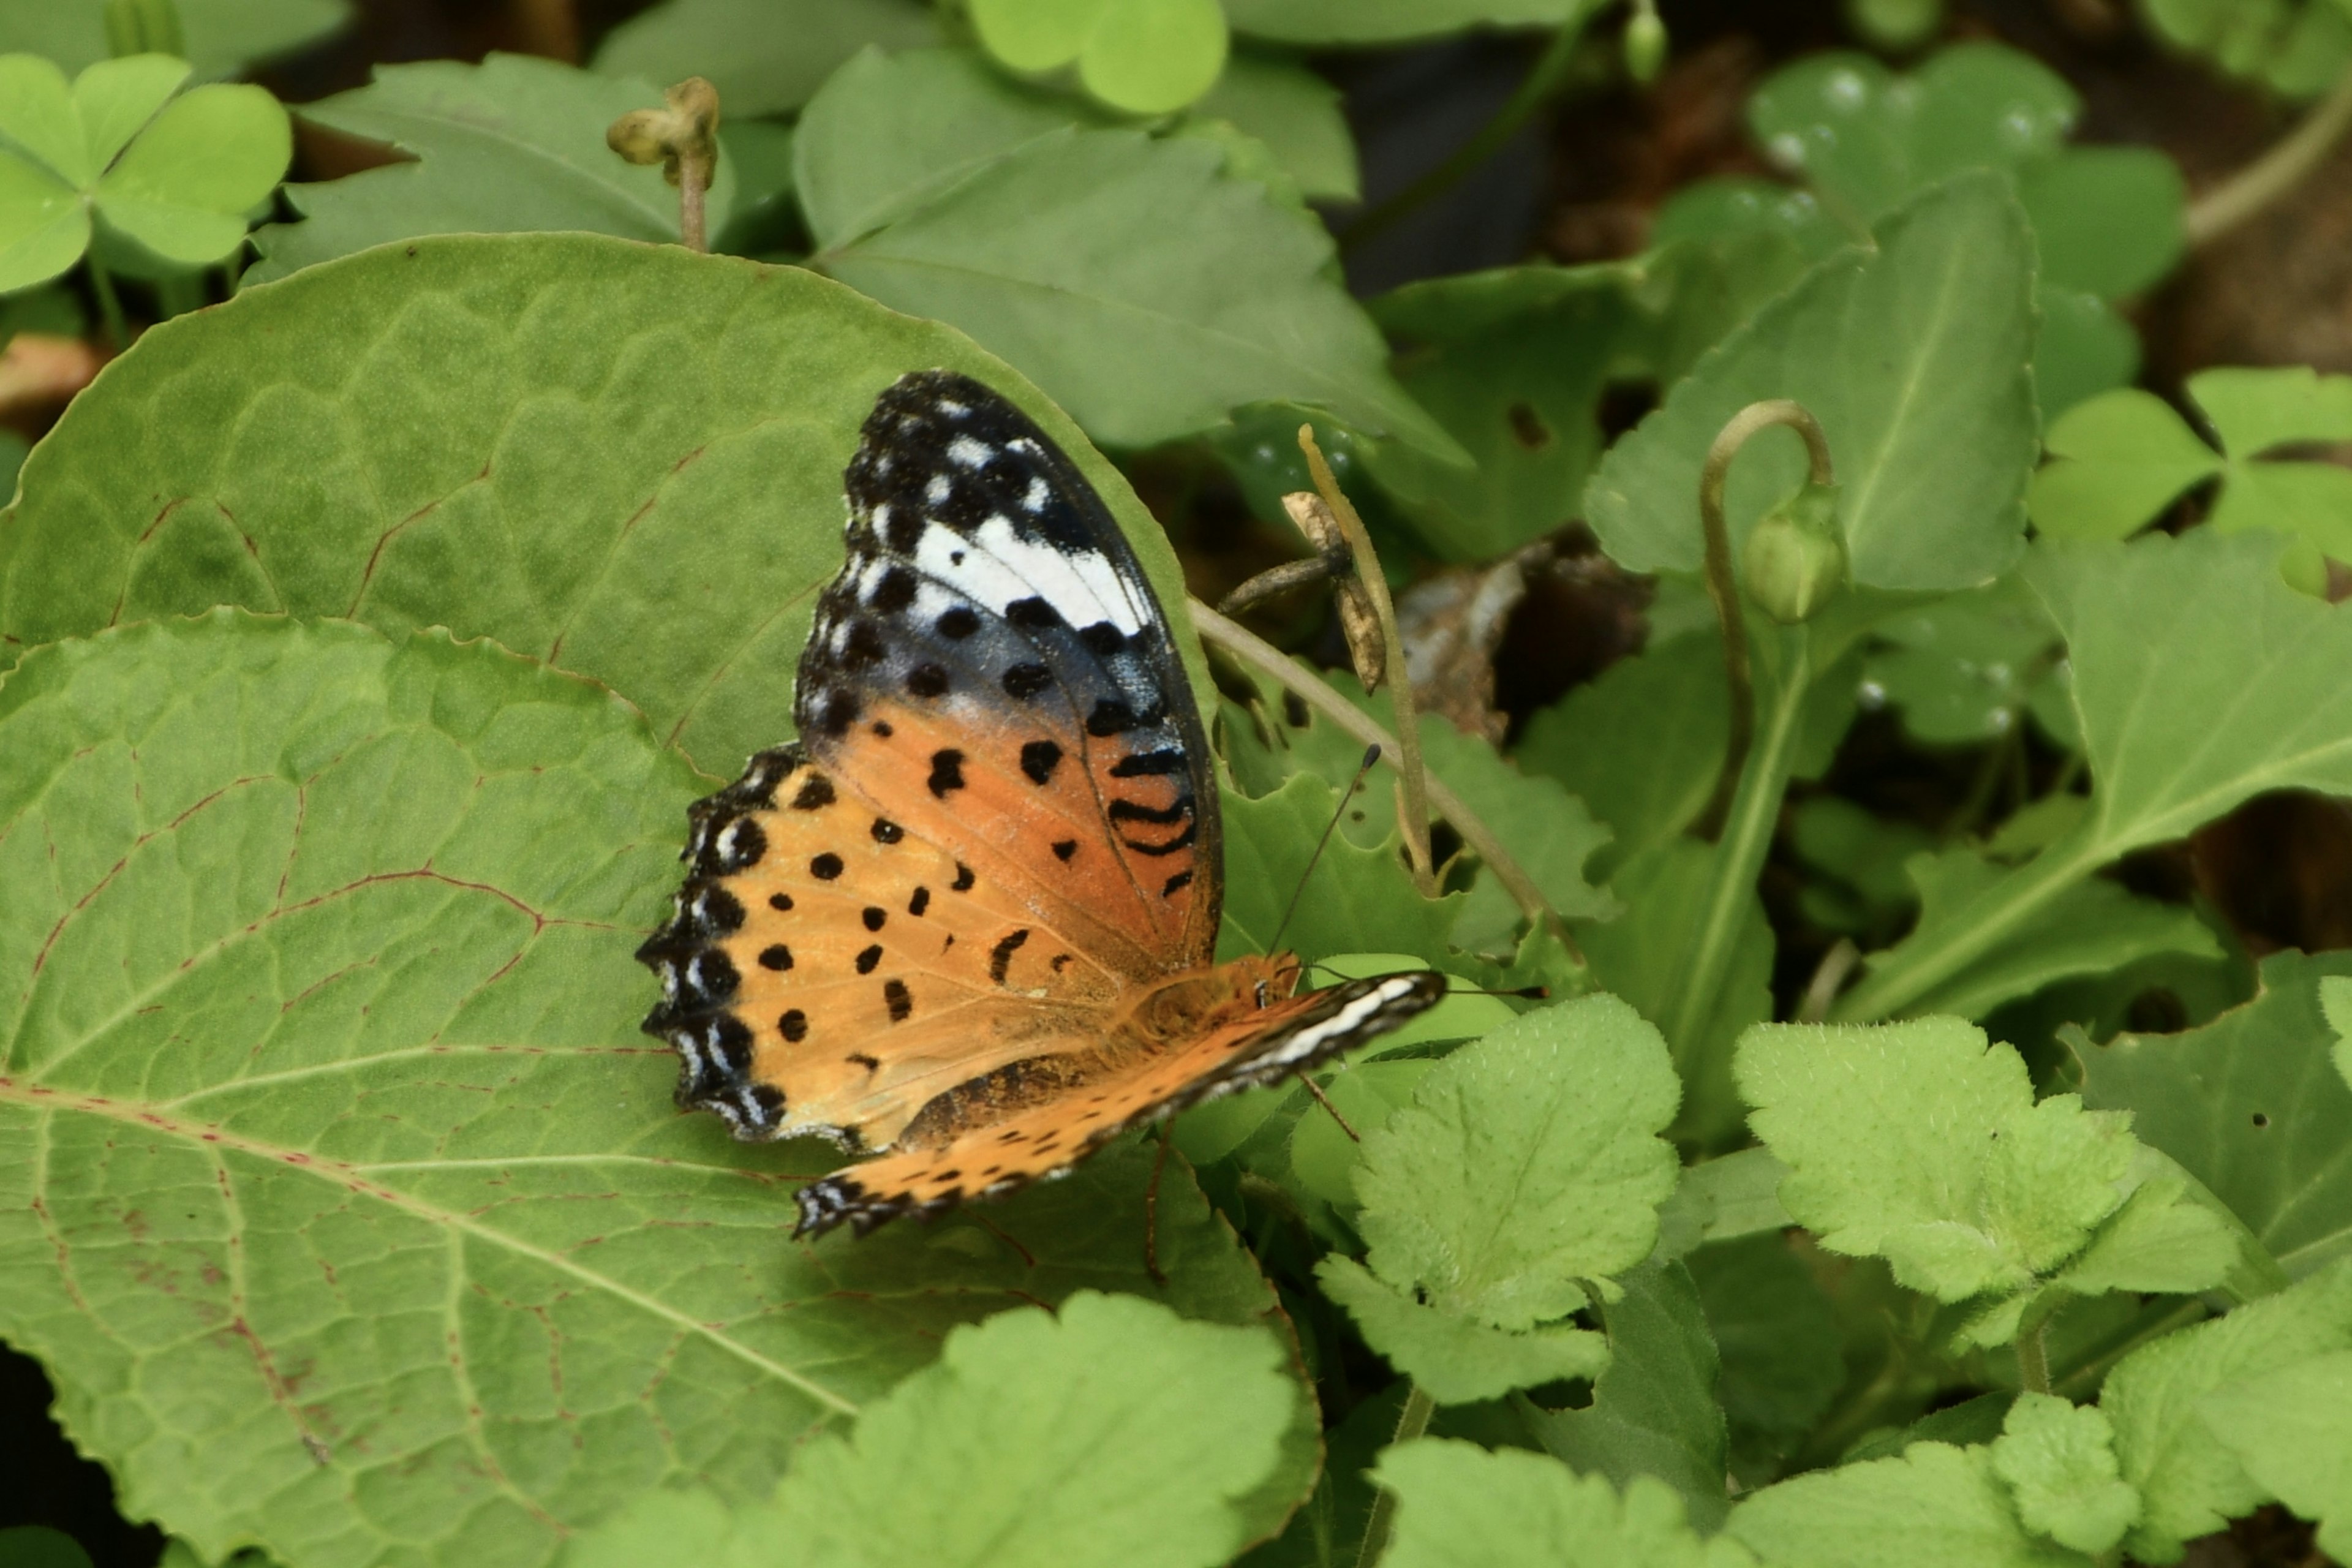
column 1645, row 43
column 1795, row 559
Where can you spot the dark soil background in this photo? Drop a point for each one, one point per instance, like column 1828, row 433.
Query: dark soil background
column 1578, row 185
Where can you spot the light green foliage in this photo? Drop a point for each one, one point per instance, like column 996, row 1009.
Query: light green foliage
column 2107, row 220
column 160, row 180
column 1653, row 1410
column 1778, row 1339
column 1327, row 22
column 323, row 1072
column 1181, row 289
column 2090, row 928
column 1452, row 1358
column 1642, row 745
column 2240, row 694
column 1911, row 353
column 1918, row 1143
column 2059, row 1462
column 2297, row 48
column 1144, row 57
column 1295, row 113
column 510, row 145
column 766, row 56
column 1527, row 1164
column 623, row 459
column 2193, row 1480
column 2335, row 1003
column 222, row 36
column 1111, row 1421
column 2121, row 459
column 1862, row 887
column 2293, row 1431
column 1935, row 1506
column 1460, row 1506
column 2252, row 1106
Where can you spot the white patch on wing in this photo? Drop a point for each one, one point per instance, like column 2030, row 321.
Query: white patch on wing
column 1084, row 585
column 937, row 491
column 1040, row 492
column 1348, row 1021
column 972, row 454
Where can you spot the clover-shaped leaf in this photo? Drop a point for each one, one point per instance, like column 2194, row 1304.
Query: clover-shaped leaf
column 2120, row 459
column 1920, row 1143
column 1528, row 1167
column 163, row 183
column 1146, row 56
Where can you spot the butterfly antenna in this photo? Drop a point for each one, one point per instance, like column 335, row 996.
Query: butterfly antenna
column 1372, row 755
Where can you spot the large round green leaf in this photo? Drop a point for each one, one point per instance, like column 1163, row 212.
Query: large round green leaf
column 338, row 1193
column 622, row 459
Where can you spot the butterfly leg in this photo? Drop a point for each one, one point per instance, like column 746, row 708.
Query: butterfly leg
column 1320, row 1098
column 1151, row 1210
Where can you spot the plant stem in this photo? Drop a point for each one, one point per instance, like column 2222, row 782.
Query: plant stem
column 1748, row 832
column 2034, row 1358
column 1272, row 662
column 1415, row 820
column 1723, row 582
column 2289, row 160
column 1539, row 83
column 110, row 304
column 1827, row 975
column 1411, row 1422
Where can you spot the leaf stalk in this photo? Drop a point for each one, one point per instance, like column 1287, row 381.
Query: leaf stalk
column 1411, row 1422
column 2285, row 165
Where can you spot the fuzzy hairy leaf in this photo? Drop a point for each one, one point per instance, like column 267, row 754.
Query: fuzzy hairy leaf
column 1460, row 1506
column 623, row 459
column 2059, row 1461
column 2292, row 1430
column 1110, row 1430
column 1452, row 1358
column 343, row 1201
column 1912, row 352
column 1935, row 1506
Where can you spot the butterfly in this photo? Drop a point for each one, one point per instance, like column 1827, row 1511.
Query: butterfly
column 966, row 924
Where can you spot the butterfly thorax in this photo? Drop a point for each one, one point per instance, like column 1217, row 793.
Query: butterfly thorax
column 1184, row 1007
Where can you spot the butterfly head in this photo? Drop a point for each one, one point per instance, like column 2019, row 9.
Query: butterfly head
column 1186, row 1004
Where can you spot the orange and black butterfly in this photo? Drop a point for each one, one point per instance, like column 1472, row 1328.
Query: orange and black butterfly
column 967, row 922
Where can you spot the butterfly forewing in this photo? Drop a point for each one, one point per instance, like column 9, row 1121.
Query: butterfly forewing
column 992, row 667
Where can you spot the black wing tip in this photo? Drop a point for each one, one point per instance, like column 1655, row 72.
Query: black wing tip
column 842, row 1199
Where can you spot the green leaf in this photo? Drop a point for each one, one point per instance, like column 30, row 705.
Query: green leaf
column 2297, row 48
column 1454, row 1359
column 182, row 189
column 1862, row 887
column 2092, row 927
column 1110, row 1421
column 2293, row 1432
column 1528, row 1162
column 1460, row 1506
column 1638, row 957
column 2335, row 1002
column 2240, row 696
column 38, row 1546
column 2124, row 458
column 2191, row 1480
column 624, row 459
column 1653, row 1410
column 766, row 56
column 2059, row 1461
column 1353, row 900
column 222, row 36
column 1916, row 1143
column 1148, row 290
column 1935, row 1506
column 510, row 145
column 44, row 227
column 334, row 1161
column 1642, row 745
column 1912, row 353
column 1961, row 669
column 1322, row 22
column 1297, row 115
column 2251, row 1106
column 862, row 157
column 1778, row 1340
column 1153, row 57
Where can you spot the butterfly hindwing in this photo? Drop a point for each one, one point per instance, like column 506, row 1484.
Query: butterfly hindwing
column 991, row 666
column 1077, row 1101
